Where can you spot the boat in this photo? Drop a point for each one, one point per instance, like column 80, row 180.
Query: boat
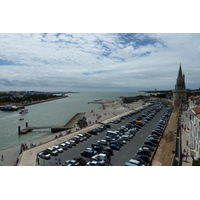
column 20, row 119
column 23, row 111
column 9, row 108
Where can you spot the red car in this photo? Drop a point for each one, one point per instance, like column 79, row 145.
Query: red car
column 76, row 140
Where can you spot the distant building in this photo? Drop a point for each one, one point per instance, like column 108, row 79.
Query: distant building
column 193, row 101
column 180, row 92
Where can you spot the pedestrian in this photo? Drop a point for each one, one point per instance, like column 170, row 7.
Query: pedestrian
column 2, row 157
column 59, row 160
column 38, row 160
column 17, row 161
column 192, row 156
column 187, row 143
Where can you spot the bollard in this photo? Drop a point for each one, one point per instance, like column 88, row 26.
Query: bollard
column 19, row 131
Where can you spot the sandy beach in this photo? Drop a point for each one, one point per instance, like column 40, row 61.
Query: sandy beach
column 111, row 110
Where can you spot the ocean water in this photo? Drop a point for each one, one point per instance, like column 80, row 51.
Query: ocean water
column 52, row 113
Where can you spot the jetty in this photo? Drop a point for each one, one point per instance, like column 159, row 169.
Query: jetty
column 28, row 129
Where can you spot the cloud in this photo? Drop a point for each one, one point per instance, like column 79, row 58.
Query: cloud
column 61, row 61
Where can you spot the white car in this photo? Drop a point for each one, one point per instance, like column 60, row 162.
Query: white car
column 136, row 162
column 44, row 156
column 69, row 144
column 93, row 163
column 59, row 149
column 72, row 142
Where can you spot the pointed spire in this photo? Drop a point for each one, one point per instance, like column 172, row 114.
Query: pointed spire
column 180, row 81
column 180, row 71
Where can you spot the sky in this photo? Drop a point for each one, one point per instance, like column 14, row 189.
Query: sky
column 110, row 47
column 98, row 61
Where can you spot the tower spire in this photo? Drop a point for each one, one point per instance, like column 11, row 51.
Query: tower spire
column 180, row 72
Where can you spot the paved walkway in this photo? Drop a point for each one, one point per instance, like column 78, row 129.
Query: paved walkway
column 187, row 152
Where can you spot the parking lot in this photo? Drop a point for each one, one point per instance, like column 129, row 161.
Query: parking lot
column 128, row 148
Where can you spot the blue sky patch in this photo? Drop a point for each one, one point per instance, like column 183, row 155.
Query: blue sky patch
column 5, row 62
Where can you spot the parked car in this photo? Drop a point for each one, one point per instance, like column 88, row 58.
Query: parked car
column 101, row 158
column 125, row 137
column 58, row 148
column 44, row 156
column 76, row 140
column 82, row 136
column 139, row 159
column 87, row 153
column 98, row 148
column 91, row 149
column 108, row 149
column 72, row 142
column 156, row 132
column 93, row 132
column 156, row 141
column 142, row 148
column 144, row 152
column 87, row 135
column 136, row 162
column 102, row 142
column 68, row 144
column 52, row 151
column 145, row 158
column 81, row 160
column 93, row 163
column 114, row 146
column 150, row 143
column 129, row 164
column 63, row 146
column 79, row 138
column 70, row 163
column 148, row 146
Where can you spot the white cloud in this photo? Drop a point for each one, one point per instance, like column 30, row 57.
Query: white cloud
column 132, row 62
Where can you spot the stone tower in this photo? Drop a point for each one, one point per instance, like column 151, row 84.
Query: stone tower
column 180, row 93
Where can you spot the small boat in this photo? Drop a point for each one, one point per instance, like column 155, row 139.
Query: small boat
column 9, row 108
column 23, row 111
column 20, row 119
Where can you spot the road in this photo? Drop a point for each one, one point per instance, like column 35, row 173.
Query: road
column 126, row 152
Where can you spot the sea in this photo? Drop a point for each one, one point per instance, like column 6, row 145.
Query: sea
column 51, row 113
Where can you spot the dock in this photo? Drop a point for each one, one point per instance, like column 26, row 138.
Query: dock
column 30, row 128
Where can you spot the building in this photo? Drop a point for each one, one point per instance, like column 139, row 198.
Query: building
column 194, row 128
column 180, row 92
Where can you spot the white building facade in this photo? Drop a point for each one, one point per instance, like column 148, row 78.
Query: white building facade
column 194, row 130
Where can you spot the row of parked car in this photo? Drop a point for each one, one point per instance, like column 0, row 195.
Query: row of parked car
column 147, row 150
column 100, row 152
column 55, row 150
column 60, row 148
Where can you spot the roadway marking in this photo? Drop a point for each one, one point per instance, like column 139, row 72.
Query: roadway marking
column 141, row 135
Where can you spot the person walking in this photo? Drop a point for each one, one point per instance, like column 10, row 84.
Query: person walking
column 2, row 157
column 59, row 160
column 38, row 160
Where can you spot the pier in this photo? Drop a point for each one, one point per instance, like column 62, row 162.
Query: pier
column 30, row 128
